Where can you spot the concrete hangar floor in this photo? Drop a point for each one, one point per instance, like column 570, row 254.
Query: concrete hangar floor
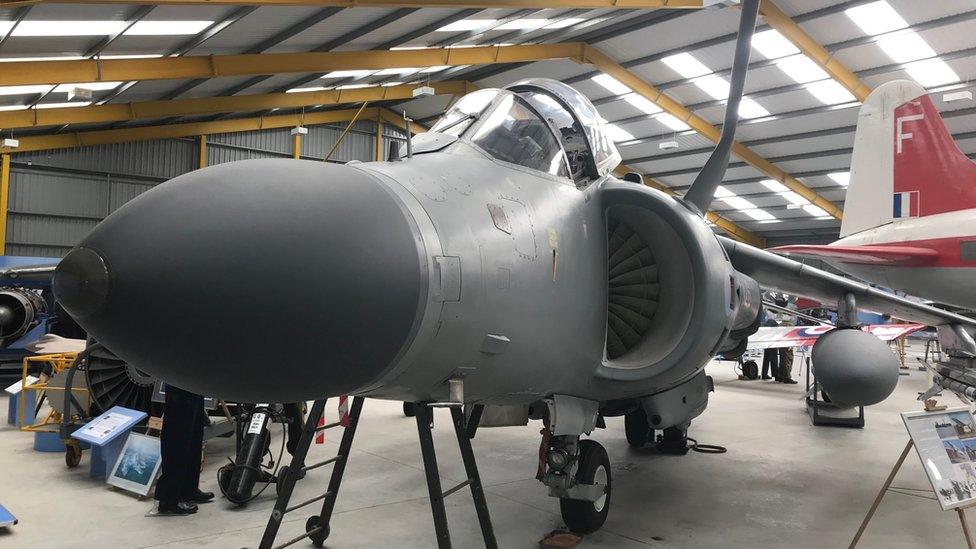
column 783, row 483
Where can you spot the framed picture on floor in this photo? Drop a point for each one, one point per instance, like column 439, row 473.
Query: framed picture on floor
column 138, row 464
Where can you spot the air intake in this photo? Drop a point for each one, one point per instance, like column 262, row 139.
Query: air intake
column 632, row 297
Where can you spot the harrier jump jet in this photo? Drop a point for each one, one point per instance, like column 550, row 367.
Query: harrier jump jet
column 501, row 254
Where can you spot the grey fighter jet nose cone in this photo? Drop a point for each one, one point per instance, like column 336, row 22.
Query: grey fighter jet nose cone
column 81, row 282
column 254, row 281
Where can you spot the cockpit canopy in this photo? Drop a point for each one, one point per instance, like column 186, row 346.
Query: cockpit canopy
column 538, row 123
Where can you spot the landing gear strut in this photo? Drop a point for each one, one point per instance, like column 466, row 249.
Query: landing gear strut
column 578, row 473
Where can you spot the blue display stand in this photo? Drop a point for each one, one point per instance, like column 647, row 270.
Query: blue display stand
column 107, row 434
column 13, row 407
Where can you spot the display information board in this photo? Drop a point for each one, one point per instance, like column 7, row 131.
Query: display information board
column 106, row 427
column 946, row 444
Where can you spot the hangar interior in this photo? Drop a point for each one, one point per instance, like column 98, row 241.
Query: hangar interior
column 101, row 102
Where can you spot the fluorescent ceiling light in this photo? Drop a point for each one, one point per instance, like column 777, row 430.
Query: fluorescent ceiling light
column 68, row 28
column 438, row 68
column 906, row 46
column 467, row 25
column 686, row 65
column 12, row 107
column 24, row 90
column 773, row 45
column 815, row 211
column 841, row 178
column 760, row 215
column 62, row 105
column 94, row 86
column 739, row 203
column 774, row 185
column 931, row 72
column 830, row 92
column 355, row 86
column 348, row 74
column 617, row 134
column 399, row 48
column 563, row 23
column 57, row 58
column 642, row 103
column 167, row 28
column 748, row 108
column 131, row 56
column 802, row 69
column 716, row 86
column 308, row 89
column 523, row 24
column 671, row 121
column 876, row 18
column 612, row 85
column 388, row 84
column 722, row 192
column 794, row 198
column 5, row 26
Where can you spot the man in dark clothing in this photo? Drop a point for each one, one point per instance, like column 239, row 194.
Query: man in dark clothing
column 178, row 490
column 770, row 362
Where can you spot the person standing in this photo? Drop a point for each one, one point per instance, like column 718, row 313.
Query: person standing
column 178, row 490
column 770, row 356
column 786, row 353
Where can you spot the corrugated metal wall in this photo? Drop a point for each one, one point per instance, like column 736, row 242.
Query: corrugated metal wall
column 57, row 197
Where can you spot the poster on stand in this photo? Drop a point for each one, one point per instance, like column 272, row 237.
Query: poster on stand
column 946, row 444
column 138, row 464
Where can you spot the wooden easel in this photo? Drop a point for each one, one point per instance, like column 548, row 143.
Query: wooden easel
column 884, row 488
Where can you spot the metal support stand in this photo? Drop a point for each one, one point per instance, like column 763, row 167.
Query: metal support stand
column 317, row 526
column 884, row 488
column 465, row 431
column 815, row 406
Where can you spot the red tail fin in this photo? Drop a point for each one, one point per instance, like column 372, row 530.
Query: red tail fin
column 931, row 174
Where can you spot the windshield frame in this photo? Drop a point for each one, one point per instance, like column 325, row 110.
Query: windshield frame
column 473, row 128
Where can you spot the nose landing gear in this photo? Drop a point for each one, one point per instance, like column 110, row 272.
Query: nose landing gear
column 593, row 469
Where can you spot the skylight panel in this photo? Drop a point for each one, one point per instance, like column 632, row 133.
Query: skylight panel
column 642, row 103
column 841, row 178
column 876, row 18
column 671, row 121
column 794, row 198
column 686, row 65
column 436, row 68
column 739, row 203
column 760, row 215
column 94, row 86
column 722, row 192
column 167, row 28
column 348, row 74
column 524, row 24
column 774, row 185
column 62, row 105
column 906, row 46
column 748, row 108
column 611, row 84
column 830, row 92
column 5, row 26
column 815, row 211
column 467, row 25
column 398, row 70
column 563, row 23
column 802, row 69
column 68, row 28
column 617, row 134
column 773, row 45
column 715, row 86
column 25, row 90
column 931, row 72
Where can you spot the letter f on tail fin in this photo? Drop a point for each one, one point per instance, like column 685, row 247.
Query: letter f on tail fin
column 905, row 162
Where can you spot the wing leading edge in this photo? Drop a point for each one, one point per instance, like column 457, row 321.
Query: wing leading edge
column 774, row 272
column 864, row 255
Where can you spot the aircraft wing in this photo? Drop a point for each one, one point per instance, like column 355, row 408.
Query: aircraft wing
column 777, row 273
column 864, row 255
column 776, row 337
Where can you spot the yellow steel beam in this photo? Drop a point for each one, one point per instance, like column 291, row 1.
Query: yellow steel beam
column 102, row 137
column 202, row 152
column 4, row 197
column 603, row 62
column 211, row 105
column 729, row 226
column 811, row 48
column 211, row 66
column 537, row 4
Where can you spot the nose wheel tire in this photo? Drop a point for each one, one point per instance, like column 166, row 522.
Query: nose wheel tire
column 584, row 517
column 408, row 409
column 638, row 430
